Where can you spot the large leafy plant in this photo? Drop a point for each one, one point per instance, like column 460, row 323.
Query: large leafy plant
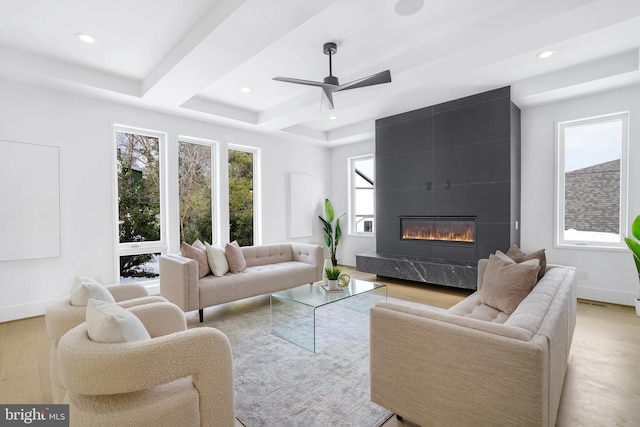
column 332, row 233
column 634, row 245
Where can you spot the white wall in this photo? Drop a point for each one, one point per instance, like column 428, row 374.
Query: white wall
column 82, row 129
column 350, row 245
column 603, row 275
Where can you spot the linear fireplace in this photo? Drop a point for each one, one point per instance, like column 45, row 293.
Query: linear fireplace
column 439, row 229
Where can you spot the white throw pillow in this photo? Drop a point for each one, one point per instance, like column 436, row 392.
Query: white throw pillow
column 85, row 288
column 107, row 322
column 217, row 259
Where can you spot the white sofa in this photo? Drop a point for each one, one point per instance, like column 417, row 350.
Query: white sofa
column 472, row 364
column 270, row 268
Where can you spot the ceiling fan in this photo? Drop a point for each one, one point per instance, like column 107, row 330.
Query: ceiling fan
column 331, row 83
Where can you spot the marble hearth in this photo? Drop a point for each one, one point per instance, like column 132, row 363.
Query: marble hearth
column 458, row 274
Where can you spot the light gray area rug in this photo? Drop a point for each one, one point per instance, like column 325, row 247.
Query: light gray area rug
column 278, row 383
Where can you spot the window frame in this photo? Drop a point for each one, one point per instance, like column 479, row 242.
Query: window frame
column 352, row 195
column 257, row 192
column 215, row 190
column 146, row 247
column 559, row 222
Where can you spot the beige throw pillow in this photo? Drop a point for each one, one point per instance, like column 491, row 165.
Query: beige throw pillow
column 505, row 284
column 217, row 259
column 197, row 252
column 109, row 323
column 235, row 258
column 85, row 288
column 517, row 255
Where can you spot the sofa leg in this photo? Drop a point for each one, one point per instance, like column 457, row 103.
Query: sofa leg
column 398, row 417
column 201, row 313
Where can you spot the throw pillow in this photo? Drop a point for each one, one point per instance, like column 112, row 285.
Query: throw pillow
column 217, row 259
column 109, row 323
column 505, row 284
column 85, row 288
column 517, row 255
column 236, row 260
column 197, row 254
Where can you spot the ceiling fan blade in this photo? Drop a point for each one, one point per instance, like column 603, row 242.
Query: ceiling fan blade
column 326, row 99
column 375, row 79
column 300, row 81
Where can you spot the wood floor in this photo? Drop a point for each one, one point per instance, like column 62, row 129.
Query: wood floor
column 601, row 388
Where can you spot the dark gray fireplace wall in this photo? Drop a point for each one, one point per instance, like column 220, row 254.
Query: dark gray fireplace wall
column 459, row 158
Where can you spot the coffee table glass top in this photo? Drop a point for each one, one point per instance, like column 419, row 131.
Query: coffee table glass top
column 313, row 296
column 293, row 311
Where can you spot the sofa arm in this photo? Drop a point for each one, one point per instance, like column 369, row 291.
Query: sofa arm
column 179, row 281
column 127, row 291
column 433, row 372
column 310, row 254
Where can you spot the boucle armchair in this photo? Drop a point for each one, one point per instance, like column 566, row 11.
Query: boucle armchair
column 62, row 316
column 178, row 377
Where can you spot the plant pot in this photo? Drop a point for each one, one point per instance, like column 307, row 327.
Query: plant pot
column 327, row 264
column 637, row 306
column 333, row 284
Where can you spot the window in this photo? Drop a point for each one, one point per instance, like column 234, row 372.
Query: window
column 195, row 160
column 139, row 193
column 361, row 204
column 242, row 195
column 592, row 181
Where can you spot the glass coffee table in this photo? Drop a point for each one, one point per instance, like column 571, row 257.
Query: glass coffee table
column 293, row 311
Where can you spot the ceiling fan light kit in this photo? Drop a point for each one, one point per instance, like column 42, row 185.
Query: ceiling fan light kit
column 331, row 84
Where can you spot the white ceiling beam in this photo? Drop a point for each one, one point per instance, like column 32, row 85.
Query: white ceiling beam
column 575, row 79
column 216, row 109
column 22, row 64
column 229, row 34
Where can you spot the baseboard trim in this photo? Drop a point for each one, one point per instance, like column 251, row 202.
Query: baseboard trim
column 23, row 311
column 606, row 295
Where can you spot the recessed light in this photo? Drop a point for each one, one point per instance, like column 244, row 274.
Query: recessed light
column 546, row 54
column 245, row 89
column 332, row 117
column 86, row 38
column 408, row 7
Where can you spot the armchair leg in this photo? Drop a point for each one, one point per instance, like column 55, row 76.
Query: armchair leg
column 398, row 417
column 201, row 313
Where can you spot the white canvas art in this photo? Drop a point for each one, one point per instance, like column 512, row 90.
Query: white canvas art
column 29, row 201
column 300, row 206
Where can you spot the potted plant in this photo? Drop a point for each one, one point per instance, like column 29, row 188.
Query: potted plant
column 332, row 277
column 634, row 245
column 331, row 234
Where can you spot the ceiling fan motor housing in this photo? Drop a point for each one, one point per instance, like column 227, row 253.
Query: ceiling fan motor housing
column 331, row 80
column 329, row 48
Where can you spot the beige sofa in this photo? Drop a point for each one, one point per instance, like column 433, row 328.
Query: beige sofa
column 472, row 364
column 270, row 268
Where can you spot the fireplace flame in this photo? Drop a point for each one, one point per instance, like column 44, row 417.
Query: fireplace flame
column 416, row 233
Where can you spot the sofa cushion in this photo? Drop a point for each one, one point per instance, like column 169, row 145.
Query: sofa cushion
column 235, row 258
column 472, row 308
column 517, row 255
column 197, row 252
column 109, row 323
column 217, row 259
column 85, row 288
column 506, row 284
column 267, row 254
